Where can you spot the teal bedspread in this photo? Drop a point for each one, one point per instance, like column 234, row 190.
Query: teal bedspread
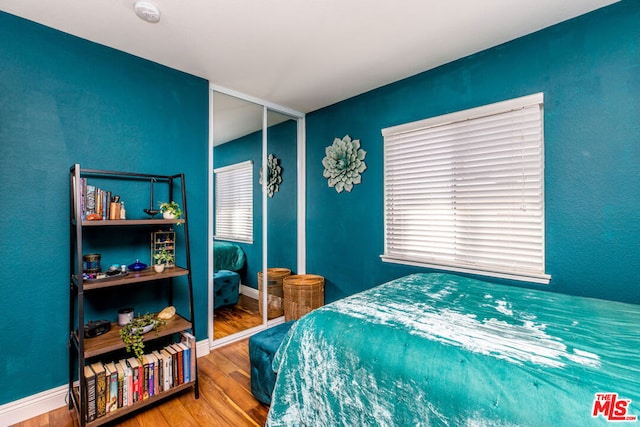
column 227, row 256
column 443, row 350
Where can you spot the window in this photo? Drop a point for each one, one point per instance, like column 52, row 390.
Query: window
column 234, row 202
column 464, row 191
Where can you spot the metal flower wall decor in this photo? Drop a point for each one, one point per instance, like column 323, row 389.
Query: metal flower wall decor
column 274, row 175
column 343, row 164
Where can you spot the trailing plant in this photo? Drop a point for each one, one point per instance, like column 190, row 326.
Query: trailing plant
column 132, row 333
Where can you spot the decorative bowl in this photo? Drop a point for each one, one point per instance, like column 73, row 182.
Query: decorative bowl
column 137, row 266
column 145, row 329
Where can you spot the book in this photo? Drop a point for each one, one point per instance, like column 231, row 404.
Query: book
column 153, row 370
column 121, row 389
column 186, row 361
column 190, row 340
column 90, row 388
column 101, row 389
column 145, row 377
column 90, row 206
column 168, row 369
column 160, row 363
column 127, row 373
column 179, row 364
column 107, row 205
column 83, row 196
column 174, row 365
column 135, row 378
column 112, row 386
column 98, row 201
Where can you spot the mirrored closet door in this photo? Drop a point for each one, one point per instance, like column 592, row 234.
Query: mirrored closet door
column 254, row 216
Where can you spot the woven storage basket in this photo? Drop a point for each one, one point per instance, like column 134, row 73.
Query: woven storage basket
column 274, row 291
column 302, row 293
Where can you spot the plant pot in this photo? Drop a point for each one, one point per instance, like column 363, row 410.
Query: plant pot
column 144, row 329
column 168, row 215
column 159, row 268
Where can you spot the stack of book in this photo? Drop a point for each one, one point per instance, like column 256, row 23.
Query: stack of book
column 117, row 384
column 99, row 203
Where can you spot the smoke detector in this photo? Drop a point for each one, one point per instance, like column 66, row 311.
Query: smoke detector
column 147, row 11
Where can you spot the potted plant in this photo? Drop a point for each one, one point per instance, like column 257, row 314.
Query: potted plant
column 164, row 258
column 132, row 333
column 170, row 210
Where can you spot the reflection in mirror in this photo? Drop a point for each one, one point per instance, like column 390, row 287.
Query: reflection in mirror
column 237, row 219
column 281, row 208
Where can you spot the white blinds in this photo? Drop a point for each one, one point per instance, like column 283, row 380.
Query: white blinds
column 234, row 202
column 466, row 190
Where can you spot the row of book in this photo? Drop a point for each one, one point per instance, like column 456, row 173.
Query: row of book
column 99, row 203
column 117, row 384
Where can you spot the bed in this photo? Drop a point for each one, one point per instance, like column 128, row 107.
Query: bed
column 228, row 261
column 445, row 350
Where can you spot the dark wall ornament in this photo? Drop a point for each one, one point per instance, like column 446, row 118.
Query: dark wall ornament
column 343, row 164
column 274, row 175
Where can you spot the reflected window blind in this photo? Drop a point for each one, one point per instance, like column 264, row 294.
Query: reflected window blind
column 234, row 202
column 465, row 190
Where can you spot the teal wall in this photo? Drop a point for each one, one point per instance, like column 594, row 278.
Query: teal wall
column 589, row 71
column 64, row 100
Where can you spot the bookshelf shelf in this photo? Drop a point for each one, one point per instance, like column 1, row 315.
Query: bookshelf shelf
column 132, row 277
column 121, row 412
column 106, row 347
column 111, row 341
column 130, row 222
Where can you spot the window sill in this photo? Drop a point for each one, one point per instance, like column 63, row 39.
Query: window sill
column 524, row 277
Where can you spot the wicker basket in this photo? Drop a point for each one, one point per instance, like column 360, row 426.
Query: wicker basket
column 274, row 291
column 302, row 293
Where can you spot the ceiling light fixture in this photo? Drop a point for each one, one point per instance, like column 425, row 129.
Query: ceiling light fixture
column 147, row 11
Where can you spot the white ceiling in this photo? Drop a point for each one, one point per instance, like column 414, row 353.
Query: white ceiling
column 302, row 54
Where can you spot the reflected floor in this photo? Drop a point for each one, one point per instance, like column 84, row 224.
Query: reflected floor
column 236, row 318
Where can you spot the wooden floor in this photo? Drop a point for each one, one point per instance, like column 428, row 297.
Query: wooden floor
column 225, row 398
column 240, row 317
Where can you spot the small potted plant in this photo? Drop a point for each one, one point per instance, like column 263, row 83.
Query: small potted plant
column 132, row 333
column 170, row 210
column 164, row 258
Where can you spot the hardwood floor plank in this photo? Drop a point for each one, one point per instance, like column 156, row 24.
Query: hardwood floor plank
column 237, row 393
column 130, row 422
column 62, row 417
column 243, row 379
column 37, row 422
column 218, row 410
column 240, row 317
column 152, row 418
column 238, row 355
column 176, row 414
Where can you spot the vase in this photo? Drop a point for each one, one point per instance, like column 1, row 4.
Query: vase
column 159, row 268
column 168, row 215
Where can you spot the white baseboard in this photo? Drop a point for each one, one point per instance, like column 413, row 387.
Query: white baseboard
column 202, row 348
column 49, row 400
column 249, row 291
column 34, row 405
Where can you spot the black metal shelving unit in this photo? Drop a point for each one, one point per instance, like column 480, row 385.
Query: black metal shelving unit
column 81, row 349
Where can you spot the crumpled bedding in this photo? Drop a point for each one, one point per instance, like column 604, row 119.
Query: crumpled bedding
column 445, row 350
